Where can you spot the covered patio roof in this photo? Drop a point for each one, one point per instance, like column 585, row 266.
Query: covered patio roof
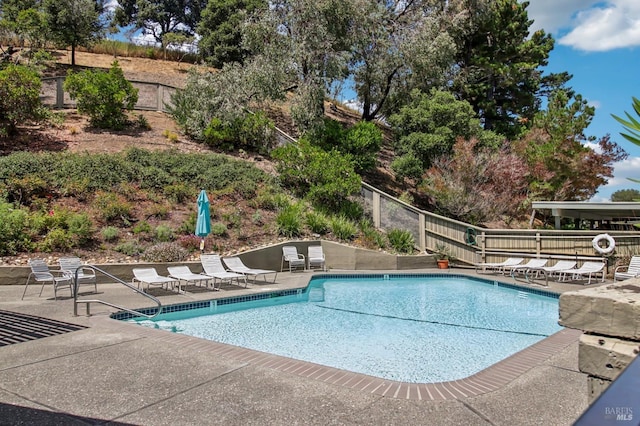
column 603, row 212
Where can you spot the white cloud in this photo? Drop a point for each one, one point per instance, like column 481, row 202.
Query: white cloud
column 554, row 15
column 629, row 168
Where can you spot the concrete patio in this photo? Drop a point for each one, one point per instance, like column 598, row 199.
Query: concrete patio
column 117, row 373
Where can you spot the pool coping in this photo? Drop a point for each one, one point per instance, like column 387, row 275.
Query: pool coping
column 487, row 380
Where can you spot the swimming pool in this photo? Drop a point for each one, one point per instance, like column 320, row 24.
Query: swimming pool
column 415, row 329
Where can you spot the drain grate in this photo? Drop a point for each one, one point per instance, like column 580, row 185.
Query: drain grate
column 17, row 328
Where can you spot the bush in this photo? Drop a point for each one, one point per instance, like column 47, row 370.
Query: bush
column 141, row 227
column 56, row 239
column 164, row 233
column 165, row 252
column 317, row 222
column 178, row 192
column 370, row 236
column 401, row 240
column 289, row 221
column 110, row 233
column 189, row 242
column 103, row 96
column 219, row 229
column 19, row 98
column 81, row 227
column 130, row 248
column 111, row 207
column 14, row 224
column 343, row 228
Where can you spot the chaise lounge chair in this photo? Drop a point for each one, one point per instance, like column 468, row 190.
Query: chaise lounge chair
column 624, row 272
column 149, row 276
column 560, row 265
column 184, row 275
column 235, row 264
column 587, row 270
column 213, row 267
column 499, row 266
column 525, row 267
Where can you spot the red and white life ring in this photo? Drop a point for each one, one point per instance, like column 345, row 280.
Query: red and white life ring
column 611, row 243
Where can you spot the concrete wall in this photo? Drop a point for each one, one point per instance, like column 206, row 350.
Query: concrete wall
column 610, row 317
column 338, row 257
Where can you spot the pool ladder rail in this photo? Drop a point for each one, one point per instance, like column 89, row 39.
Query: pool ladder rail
column 88, row 302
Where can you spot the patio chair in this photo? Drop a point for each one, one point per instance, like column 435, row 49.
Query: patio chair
column 624, row 272
column 149, row 276
column 315, row 257
column 498, row 266
column 186, row 276
column 40, row 272
column 525, row 267
column 213, row 267
column 294, row 259
column 586, row 271
column 69, row 265
column 560, row 265
column 235, row 264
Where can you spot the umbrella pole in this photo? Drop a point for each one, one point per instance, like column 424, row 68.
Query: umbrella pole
column 202, row 245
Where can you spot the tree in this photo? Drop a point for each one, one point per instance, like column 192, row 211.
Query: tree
column 428, row 126
column 19, row 98
column 562, row 165
column 477, row 184
column 102, row 95
column 629, row 195
column 499, row 66
column 220, row 30
column 160, row 17
column 24, row 19
column 631, row 125
column 74, row 22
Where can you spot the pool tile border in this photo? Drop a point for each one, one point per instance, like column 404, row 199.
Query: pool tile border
column 488, row 380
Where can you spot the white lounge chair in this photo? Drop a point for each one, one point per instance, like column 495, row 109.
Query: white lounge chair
column 294, row 259
column 213, row 267
column 525, row 267
column 235, row 264
column 586, row 271
column 69, row 265
column 554, row 269
column 149, row 276
column 499, row 266
column 40, row 272
column 624, row 272
column 315, row 258
column 185, row 276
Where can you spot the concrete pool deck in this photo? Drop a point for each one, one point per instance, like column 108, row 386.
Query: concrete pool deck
column 116, row 373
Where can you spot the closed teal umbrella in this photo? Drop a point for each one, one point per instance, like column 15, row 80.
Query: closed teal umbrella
column 203, row 224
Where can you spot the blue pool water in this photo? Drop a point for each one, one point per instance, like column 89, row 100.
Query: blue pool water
column 419, row 329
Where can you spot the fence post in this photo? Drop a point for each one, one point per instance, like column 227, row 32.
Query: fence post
column 538, row 244
column 160, row 94
column 375, row 205
column 422, row 229
column 59, row 92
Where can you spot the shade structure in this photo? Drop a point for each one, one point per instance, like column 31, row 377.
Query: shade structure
column 203, row 224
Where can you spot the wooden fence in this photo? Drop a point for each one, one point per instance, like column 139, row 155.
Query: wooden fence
column 471, row 244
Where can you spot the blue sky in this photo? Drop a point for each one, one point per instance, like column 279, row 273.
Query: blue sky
column 599, row 43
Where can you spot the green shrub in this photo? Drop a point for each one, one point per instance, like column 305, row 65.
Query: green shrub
column 130, row 248
column 178, row 192
column 102, row 95
column 163, row 233
column 19, row 98
column 110, row 233
column 25, row 190
column 188, row 226
column 14, row 224
column 165, row 252
column 270, row 201
column 159, row 211
column 370, row 236
column 81, row 227
column 317, row 222
column 56, row 239
column 343, row 228
column 256, row 218
column 111, row 207
column 289, row 221
column 401, row 240
column 141, row 227
column 219, row 229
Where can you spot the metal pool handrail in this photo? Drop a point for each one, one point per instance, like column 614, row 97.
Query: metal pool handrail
column 103, row 302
